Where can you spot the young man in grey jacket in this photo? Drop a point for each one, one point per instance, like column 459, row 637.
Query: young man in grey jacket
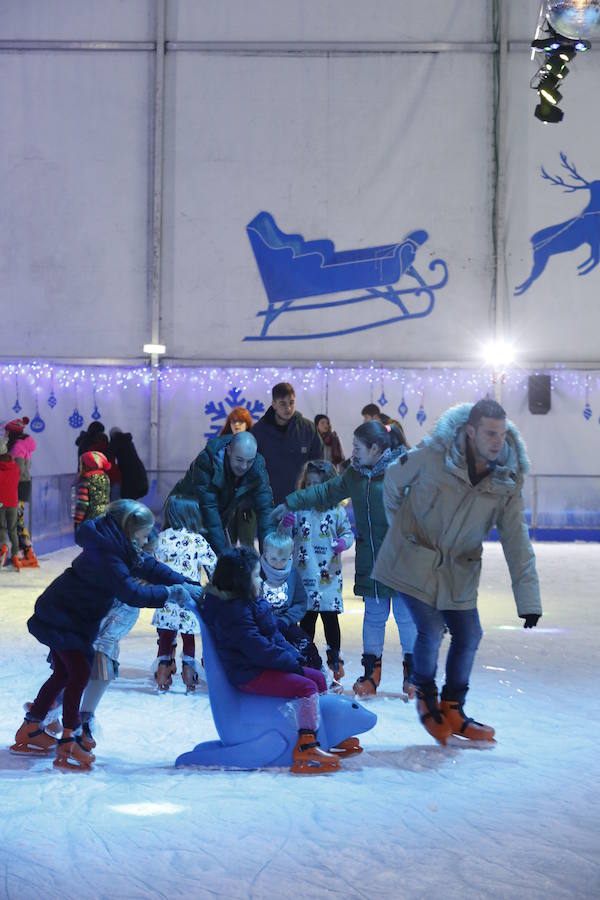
column 441, row 503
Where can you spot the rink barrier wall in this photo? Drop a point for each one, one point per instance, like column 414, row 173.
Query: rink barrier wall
column 557, row 507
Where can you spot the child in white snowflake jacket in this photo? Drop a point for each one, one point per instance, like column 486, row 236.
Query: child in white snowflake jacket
column 182, row 547
column 320, row 536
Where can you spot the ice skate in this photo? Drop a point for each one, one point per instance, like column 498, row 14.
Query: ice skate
column 189, row 673
column 349, row 747
column 407, row 685
column 30, row 559
column 33, row 740
column 71, row 755
column 3, row 555
column 164, row 673
column 337, row 668
column 17, row 562
column 87, row 738
column 310, row 759
column 366, row 685
column 51, row 724
column 463, row 726
column 431, row 716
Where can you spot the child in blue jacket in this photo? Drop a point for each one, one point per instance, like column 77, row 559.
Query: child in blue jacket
column 255, row 655
column 68, row 614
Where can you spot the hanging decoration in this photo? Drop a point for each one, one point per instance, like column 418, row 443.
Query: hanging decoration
column 52, row 399
column 383, row 400
column 16, row 405
column 75, row 419
column 421, row 414
column 96, row 412
column 403, row 408
column 37, row 423
column 587, row 409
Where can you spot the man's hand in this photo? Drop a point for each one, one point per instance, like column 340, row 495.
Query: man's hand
column 279, row 512
column 531, row 620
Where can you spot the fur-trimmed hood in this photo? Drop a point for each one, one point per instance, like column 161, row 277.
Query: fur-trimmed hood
column 449, row 435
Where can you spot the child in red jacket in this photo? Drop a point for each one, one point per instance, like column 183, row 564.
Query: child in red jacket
column 9, row 502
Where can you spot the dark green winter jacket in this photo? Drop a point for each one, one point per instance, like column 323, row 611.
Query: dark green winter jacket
column 210, row 481
column 364, row 487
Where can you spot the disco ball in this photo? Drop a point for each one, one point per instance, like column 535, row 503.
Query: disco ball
column 575, row 18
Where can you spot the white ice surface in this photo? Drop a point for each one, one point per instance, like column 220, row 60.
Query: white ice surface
column 406, row 819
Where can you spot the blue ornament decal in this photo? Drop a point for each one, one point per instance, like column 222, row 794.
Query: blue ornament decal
column 37, row 423
column 403, row 408
column 52, row 399
column 218, row 414
column 76, row 419
column 587, row 412
column 16, row 405
column 96, row 413
column 383, row 400
column 421, row 414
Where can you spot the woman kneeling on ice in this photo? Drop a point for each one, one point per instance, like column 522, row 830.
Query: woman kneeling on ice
column 257, row 658
column 68, row 614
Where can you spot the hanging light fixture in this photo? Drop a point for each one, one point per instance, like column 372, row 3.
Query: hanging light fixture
column 566, row 24
column 574, row 19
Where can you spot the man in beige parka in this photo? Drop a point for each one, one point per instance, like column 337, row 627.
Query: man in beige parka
column 441, row 503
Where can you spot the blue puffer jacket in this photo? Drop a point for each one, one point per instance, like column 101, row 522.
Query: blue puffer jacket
column 247, row 637
column 67, row 615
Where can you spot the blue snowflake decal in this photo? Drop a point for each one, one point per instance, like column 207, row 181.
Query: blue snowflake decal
column 218, row 412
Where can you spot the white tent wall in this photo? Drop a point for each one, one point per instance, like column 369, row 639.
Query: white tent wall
column 346, row 121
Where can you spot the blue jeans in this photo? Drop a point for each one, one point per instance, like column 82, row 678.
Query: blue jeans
column 377, row 612
column 466, row 633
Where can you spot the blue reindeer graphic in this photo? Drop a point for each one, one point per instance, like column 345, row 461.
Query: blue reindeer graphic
column 566, row 236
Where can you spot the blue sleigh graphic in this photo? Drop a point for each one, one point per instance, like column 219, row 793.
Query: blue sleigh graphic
column 293, row 269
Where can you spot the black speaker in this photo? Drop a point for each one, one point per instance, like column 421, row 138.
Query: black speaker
column 539, row 394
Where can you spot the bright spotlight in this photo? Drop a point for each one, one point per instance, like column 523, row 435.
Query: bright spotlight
column 155, row 349
column 498, row 354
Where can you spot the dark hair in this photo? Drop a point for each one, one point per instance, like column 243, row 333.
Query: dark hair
column 397, row 436
column 234, row 569
column 95, row 428
column 324, row 469
column 490, row 409
column 237, row 414
column 182, row 512
column 371, row 409
column 282, row 389
column 372, row 432
column 321, row 416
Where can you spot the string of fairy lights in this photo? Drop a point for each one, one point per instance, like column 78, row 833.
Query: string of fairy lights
column 51, row 376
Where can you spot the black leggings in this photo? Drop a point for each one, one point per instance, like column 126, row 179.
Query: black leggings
column 331, row 627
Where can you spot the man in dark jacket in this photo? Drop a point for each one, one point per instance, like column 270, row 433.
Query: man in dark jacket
column 134, row 478
column 286, row 440
column 227, row 474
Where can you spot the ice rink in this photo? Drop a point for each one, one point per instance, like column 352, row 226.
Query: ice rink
column 406, row 819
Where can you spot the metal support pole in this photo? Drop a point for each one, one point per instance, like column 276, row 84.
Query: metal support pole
column 155, row 221
column 499, row 307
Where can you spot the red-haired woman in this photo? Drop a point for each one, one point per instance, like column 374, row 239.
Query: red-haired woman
column 239, row 419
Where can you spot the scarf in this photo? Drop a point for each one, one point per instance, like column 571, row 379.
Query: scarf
column 275, row 577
